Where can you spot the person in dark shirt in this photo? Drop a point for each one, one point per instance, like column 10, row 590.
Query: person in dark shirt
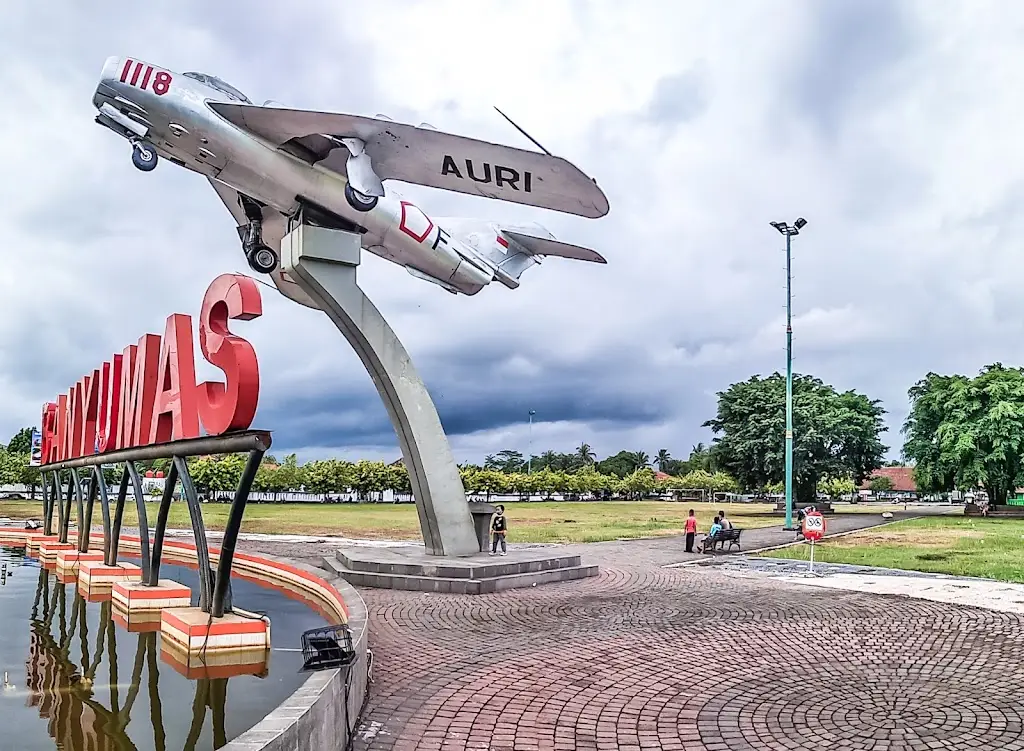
column 499, row 526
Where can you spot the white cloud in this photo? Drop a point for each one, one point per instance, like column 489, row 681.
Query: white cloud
column 893, row 127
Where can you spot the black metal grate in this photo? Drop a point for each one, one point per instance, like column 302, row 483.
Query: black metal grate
column 328, row 647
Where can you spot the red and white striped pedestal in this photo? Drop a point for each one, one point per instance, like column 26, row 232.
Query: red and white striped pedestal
column 48, row 549
column 190, row 630
column 218, row 664
column 95, row 593
column 69, row 560
column 32, row 542
column 18, row 535
column 137, row 621
column 136, row 596
column 97, row 574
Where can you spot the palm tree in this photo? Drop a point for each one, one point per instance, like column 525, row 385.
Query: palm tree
column 662, row 459
column 640, row 460
column 585, row 455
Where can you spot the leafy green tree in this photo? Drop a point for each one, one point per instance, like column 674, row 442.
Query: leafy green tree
column 618, row 465
column 638, row 484
column 662, row 459
column 880, row 484
column 10, row 470
column 217, row 473
column 328, row 476
column 968, row 432
column 28, row 475
column 398, row 479
column 835, row 434
column 834, row 487
column 21, row 443
column 507, row 461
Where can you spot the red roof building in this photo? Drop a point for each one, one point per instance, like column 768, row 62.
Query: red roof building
column 902, row 479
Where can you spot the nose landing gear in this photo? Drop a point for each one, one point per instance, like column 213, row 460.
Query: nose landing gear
column 144, row 156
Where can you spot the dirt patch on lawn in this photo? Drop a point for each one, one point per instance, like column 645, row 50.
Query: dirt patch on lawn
column 918, row 538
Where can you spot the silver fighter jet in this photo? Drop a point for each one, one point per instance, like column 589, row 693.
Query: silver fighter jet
column 272, row 165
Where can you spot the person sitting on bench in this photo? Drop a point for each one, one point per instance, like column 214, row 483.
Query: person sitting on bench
column 713, row 533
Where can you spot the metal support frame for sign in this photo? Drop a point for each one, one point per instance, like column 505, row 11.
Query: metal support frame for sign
column 214, row 587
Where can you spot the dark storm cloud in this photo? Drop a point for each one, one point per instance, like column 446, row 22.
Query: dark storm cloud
column 849, row 44
column 679, row 98
column 473, row 391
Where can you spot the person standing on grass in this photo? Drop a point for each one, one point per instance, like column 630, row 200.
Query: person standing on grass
column 499, row 526
column 691, row 531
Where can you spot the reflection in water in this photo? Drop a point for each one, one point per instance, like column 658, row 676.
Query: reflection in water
column 70, row 696
column 84, row 679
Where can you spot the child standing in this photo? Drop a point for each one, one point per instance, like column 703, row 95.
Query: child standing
column 691, row 531
column 499, row 526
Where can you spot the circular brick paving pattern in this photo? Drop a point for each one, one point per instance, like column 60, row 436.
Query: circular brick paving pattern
column 652, row 658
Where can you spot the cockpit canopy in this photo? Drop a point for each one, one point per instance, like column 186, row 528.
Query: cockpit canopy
column 220, row 85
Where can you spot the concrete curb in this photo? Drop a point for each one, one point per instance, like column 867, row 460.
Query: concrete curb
column 314, row 717
column 704, row 561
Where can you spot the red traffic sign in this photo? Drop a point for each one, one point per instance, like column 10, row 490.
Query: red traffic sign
column 814, row 526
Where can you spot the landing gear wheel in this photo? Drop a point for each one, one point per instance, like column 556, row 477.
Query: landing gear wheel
column 262, row 259
column 357, row 200
column 144, row 156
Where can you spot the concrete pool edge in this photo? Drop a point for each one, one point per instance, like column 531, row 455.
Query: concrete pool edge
column 313, row 718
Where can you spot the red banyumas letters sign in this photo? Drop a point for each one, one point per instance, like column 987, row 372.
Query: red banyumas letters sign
column 148, row 394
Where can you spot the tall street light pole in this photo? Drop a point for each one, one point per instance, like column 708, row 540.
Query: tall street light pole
column 529, row 455
column 789, row 231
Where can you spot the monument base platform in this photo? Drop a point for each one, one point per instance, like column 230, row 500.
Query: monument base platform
column 824, row 507
column 69, row 560
column 412, row 569
column 98, row 574
column 133, row 596
column 190, row 630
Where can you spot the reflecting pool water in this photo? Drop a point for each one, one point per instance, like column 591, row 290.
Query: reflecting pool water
column 76, row 678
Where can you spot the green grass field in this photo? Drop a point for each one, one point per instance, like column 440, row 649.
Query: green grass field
column 956, row 545
column 528, row 522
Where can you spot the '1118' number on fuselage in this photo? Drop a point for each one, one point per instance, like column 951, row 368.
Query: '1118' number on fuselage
column 141, row 76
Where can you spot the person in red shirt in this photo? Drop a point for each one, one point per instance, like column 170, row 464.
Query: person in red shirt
column 691, row 531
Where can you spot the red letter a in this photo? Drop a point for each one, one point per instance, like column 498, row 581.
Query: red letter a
column 175, row 412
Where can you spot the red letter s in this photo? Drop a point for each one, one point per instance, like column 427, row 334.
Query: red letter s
column 229, row 406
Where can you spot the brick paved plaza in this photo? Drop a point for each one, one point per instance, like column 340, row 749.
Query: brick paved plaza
column 644, row 657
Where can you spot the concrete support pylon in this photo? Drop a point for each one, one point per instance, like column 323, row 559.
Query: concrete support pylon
column 323, row 263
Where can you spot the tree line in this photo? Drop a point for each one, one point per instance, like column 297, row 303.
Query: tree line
column 961, row 433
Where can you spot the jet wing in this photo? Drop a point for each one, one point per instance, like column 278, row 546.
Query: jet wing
column 230, row 198
column 273, row 232
column 425, row 157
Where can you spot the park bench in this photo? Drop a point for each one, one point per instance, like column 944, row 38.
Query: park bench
column 731, row 536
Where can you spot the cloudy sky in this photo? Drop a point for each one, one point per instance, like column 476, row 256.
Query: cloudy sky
column 894, row 127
